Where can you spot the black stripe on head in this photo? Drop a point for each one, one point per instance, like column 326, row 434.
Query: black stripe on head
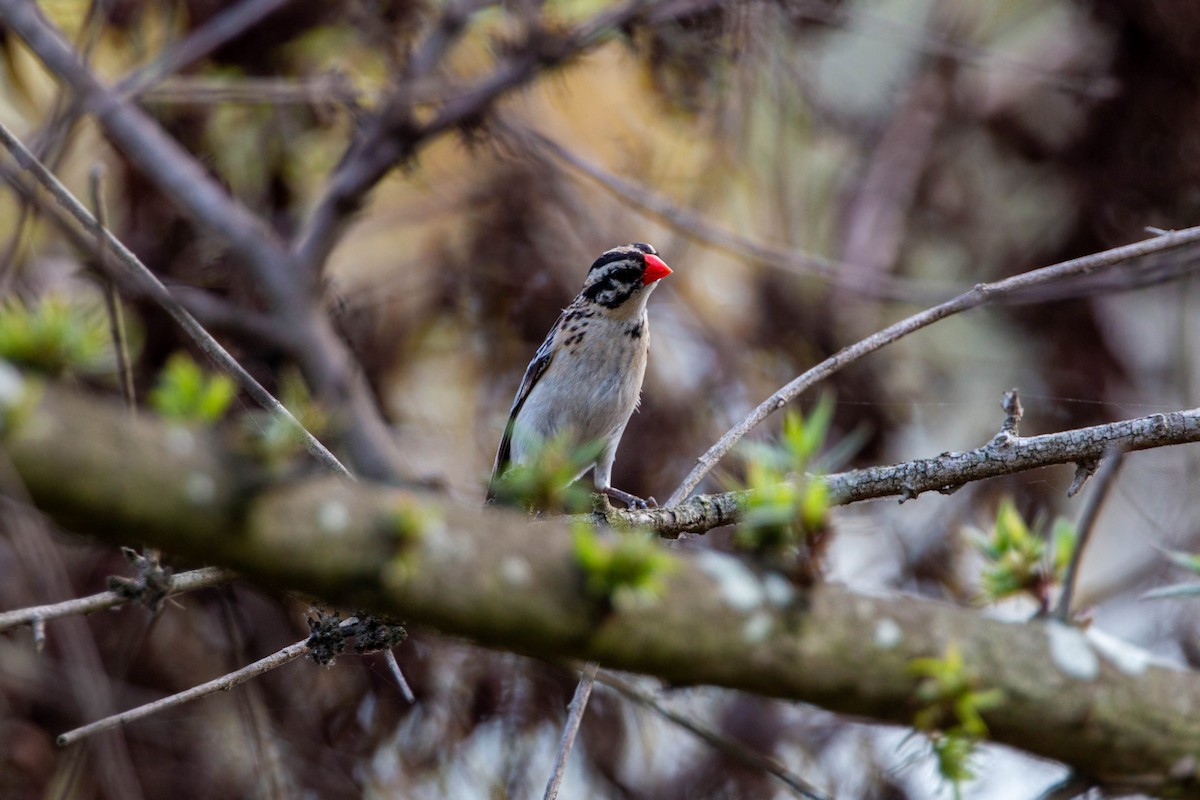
column 645, row 248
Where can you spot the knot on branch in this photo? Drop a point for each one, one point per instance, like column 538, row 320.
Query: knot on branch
column 1011, row 404
column 153, row 581
column 330, row 635
column 1083, row 471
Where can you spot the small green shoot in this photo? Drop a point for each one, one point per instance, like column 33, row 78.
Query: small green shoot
column 56, row 337
column 1020, row 560
column 623, row 570
column 185, row 393
column 547, row 482
column 951, row 713
column 785, row 512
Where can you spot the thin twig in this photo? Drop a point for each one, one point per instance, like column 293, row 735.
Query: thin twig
column 325, row 360
column 571, row 729
column 221, row 29
column 112, row 302
column 1004, row 454
column 222, row 684
column 982, row 294
column 843, row 275
column 154, row 288
column 392, row 136
column 180, row 584
column 1105, row 478
column 728, row 746
column 394, row 666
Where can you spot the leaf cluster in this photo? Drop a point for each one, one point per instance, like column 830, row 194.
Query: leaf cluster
column 186, row 393
column 1019, row 558
column 547, row 482
column 622, row 570
column 56, row 337
column 785, row 513
column 951, row 712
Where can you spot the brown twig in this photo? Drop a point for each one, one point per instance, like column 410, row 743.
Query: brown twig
column 222, row 684
column 324, row 358
column 180, row 584
column 1005, row 454
column 1106, row 476
column 571, row 729
column 982, row 294
column 211, row 347
column 112, row 302
column 844, row 275
column 392, row 135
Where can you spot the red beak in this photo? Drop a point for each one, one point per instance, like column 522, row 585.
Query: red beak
column 656, row 269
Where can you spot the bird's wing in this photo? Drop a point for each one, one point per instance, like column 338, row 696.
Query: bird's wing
column 535, row 370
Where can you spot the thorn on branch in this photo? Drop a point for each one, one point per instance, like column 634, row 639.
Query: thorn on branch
column 153, row 581
column 1011, row 404
column 1083, row 471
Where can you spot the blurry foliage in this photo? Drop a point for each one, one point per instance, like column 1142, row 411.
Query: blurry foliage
column 1020, row 559
column 1188, row 561
column 785, row 515
column 186, row 393
column 547, row 482
column 56, row 336
column 951, row 707
column 624, row 569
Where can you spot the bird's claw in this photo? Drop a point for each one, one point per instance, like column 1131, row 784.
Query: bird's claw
column 630, row 500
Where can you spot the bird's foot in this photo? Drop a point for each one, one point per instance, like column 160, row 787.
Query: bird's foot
column 630, row 500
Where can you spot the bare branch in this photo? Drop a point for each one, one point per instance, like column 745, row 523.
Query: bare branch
column 180, row 584
column 851, row 277
column 1108, row 710
column 982, row 294
column 571, row 729
column 392, row 135
column 1105, row 478
column 154, row 288
column 325, row 360
column 222, row 684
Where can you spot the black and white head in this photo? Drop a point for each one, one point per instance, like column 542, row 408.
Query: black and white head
column 622, row 274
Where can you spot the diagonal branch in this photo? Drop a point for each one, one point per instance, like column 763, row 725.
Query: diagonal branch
column 393, row 135
column 150, row 284
column 325, row 360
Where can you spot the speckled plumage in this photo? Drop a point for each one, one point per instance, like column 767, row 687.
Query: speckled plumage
column 586, row 377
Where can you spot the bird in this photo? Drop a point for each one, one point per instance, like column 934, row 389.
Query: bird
column 585, row 380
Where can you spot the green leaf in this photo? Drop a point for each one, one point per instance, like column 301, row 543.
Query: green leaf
column 186, row 393
column 56, row 337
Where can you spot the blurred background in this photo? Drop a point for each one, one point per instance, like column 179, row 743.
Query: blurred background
column 812, row 171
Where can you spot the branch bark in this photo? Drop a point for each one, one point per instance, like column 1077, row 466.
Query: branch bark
column 1105, row 709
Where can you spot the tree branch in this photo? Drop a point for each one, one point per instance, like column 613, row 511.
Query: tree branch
column 326, row 362
column 1105, row 709
column 982, row 294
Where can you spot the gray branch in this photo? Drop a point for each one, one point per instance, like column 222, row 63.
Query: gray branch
column 1106, row 709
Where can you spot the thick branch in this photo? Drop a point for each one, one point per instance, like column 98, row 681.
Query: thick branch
column 1106, row 710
